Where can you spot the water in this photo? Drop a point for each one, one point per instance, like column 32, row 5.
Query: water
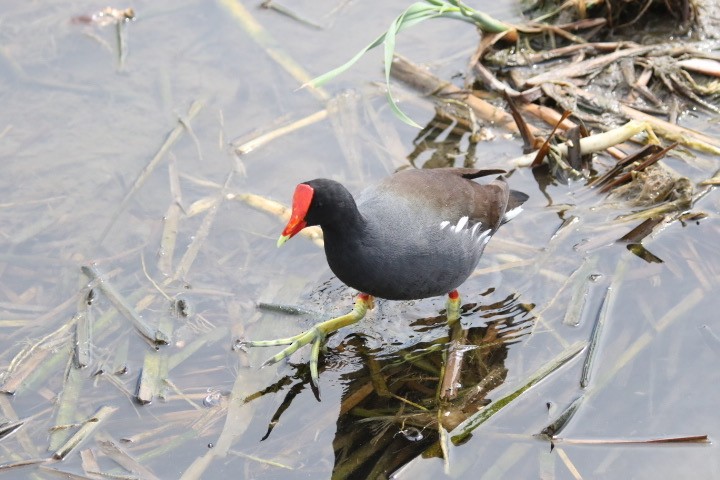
column 77, row 128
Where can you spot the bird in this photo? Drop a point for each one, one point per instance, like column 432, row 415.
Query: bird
column 418, row 233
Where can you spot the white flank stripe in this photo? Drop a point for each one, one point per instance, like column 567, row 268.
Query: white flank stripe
column 461, row 223
column 484, row 236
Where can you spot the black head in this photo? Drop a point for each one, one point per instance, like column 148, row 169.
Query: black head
column 319, row 202
column 331, row 202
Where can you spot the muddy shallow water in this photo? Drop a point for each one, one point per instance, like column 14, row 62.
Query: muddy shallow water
column 78, row 126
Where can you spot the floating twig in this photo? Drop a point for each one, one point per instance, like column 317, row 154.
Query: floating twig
column 171, row 220
column 17, row 375
column 21, row 463
column 120, row 456
column 152, row 378
column 251, row 145
column 559, row 424
column 8, row 428
column 674, row 133
column 273, row 48
column 465, row 429
column 636, row 441
column 67, row 403
column 261, row 460
column 644, row 229
column 83, row 328
column 124, row 307
column 585, row 67
column 428, row 84
column 286, row 309
column 145, row 173
column 545, row 147
column 122, row 44
column 627, row 176
column 202, row 233
column 272, row 5
column 31, row 360
column 279, row 210
column 594, row 339
column 530, row 58
column 608, row 176
column 85, row 431
column 569, row 464
column 583, row 278
column 89, row 462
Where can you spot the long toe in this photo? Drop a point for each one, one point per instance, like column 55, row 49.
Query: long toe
column 273, row 343
column 314, row 359
column 315, row 335
column 298, row 341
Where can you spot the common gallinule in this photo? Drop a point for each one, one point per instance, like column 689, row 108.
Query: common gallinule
column 416, row 234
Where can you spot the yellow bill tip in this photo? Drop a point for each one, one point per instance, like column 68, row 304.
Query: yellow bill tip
column 281, row 241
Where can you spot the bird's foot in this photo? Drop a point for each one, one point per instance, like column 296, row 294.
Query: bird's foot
column 315, row 335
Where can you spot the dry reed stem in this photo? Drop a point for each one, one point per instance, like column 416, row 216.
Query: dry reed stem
column 171, row 221
column 428, row 84
column 585, row 67
column 600, row 321
column 638, row 441
column 123, row 306
column 85, row 431
column 30, row 358
column 150, row 167
column 202, row 233
column 83, row 328
column 251, row 145
column 568, row 464
column 68, row 400
column 280, row 211
column 462, row 431
column 120, row 456
column 271, row 46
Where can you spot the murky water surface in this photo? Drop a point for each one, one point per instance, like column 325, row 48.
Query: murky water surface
column 118, row 151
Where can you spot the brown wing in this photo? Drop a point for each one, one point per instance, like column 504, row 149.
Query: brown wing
column 451, row 194
column 491, row 202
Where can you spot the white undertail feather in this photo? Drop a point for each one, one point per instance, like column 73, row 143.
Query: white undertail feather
column 510, row 214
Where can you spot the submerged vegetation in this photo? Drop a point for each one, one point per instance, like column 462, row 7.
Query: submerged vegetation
column 597, row 102
column 575, row 74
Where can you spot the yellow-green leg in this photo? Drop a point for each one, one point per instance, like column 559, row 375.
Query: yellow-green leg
column 453, row 307
column 316, row 335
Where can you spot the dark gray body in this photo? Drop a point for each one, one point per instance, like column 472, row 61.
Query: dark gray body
column 417, row 234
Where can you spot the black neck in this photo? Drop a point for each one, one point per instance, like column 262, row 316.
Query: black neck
column 333, row 208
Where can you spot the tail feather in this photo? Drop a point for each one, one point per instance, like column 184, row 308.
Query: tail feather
column 514, row 205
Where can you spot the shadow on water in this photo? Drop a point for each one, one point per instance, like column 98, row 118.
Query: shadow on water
column 391, row 405
column 192, row 258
